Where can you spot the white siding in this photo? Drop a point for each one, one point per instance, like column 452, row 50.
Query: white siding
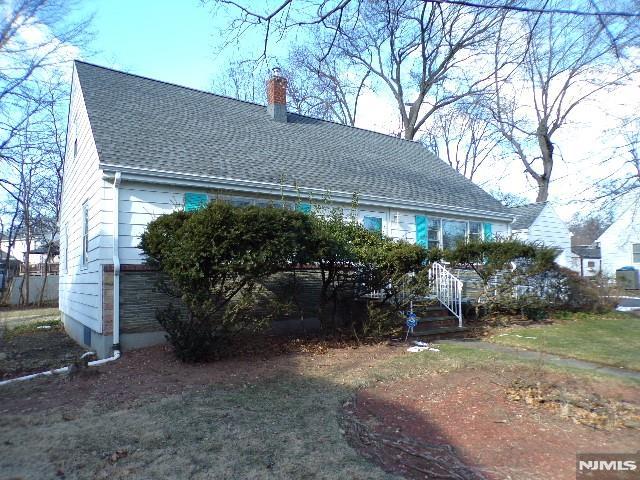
column 80, row 284
column 550, row 230
column 141, row 203
column 617, row 241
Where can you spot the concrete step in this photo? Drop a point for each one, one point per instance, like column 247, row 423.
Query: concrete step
column 441, row 332
column 425, row 326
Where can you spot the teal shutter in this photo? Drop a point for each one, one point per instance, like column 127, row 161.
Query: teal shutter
column 194, row 201
column 421, row 231
column 303, row 207
column 487, row 231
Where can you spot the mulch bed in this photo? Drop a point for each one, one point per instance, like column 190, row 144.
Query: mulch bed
column 471, row 424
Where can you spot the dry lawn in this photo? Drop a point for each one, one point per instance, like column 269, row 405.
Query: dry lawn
column 149, row 416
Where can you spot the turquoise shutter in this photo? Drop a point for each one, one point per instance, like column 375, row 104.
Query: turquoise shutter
column 194, row 201
column 487, row 231
column 421, row 231
column 303, row 207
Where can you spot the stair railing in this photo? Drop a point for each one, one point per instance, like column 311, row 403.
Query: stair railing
column 447, row 288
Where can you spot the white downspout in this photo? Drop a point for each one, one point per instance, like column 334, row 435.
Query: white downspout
column 116, row 301
column 116, row 265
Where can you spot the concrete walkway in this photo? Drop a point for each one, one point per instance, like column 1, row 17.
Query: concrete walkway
column 548, row 357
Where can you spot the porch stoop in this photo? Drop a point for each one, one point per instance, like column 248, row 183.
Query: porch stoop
column 436, row 321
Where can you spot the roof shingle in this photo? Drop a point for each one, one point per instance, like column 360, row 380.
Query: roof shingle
column 144, row 123
column 526, row 215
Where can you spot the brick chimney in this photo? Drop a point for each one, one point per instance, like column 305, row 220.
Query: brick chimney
column 277, row 96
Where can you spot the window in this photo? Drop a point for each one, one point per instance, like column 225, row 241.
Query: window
column 636, row 253
column 453, row 232
column 475, row 231
column 372, row 223
column 433, row 233
column 85, row 233
column 591, row 264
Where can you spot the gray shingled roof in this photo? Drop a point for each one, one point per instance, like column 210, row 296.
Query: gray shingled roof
column 144, row 123
column 586, row 251
column 526, row 215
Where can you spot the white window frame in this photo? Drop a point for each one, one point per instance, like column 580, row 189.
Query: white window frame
column 85, row 234
column 635, row 252
column 441, row 221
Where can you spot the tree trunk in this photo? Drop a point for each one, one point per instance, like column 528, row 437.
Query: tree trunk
column 546, row 151
column 45, row 274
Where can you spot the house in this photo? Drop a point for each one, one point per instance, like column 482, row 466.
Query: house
column 138, row 148
column 620, row 243
column 12, row 266
column 539, row 223
column 586, row 260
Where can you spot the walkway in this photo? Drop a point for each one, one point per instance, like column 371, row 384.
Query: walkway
column 549, row 357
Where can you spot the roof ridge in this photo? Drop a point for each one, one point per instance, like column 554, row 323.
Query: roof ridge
column 199, row 90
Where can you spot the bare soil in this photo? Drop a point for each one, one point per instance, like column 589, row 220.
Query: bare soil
column 36, row 351
column 478, row 424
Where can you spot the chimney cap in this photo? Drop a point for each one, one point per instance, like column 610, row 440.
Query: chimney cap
column 276, row 71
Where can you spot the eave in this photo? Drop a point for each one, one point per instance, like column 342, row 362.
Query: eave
column 211, row 182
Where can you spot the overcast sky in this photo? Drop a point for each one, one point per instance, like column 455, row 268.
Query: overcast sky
column 180, row 42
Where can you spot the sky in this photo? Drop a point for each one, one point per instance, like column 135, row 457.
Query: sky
column 179, row 42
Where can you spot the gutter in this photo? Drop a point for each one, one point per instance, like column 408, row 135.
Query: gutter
column 144, row 175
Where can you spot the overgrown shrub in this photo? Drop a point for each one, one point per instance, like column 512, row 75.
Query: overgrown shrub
column 537, row 294
column 215, row 259
column 355, row 262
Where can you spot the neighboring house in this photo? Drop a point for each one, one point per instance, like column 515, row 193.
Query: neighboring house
column 586, row 260
column 138, row 148
column 538, row 222
column 620, row 243
column 13, row 268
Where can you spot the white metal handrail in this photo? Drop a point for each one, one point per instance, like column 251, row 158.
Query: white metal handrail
column 447, row 288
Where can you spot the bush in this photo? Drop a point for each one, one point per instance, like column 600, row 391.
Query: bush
column 192, row 339
column 582, row 294
column 215, row 259
column 355, row 262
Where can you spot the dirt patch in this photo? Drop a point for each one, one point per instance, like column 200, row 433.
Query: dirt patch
column 36, row 350
column 467, row 419
column 155, row 372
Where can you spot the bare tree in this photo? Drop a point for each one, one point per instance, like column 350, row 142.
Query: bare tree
column 322, row 89
column 587, row 227
column 424, row 54
column 35, row 36
column 462, row 136
column 509, row 199
column 566, row 61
